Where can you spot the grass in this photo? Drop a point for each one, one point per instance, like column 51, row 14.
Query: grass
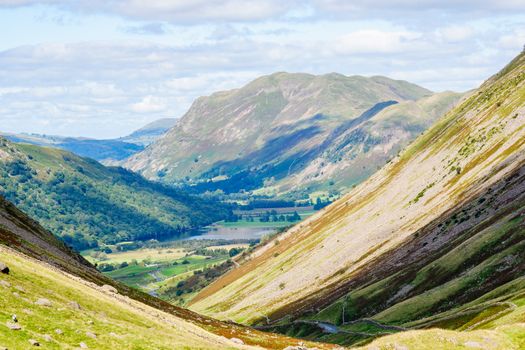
column 254, row 224
column 141, row 276
column 161, row 254
column 118, row 323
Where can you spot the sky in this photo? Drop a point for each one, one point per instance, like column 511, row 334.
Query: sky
column 103, row 68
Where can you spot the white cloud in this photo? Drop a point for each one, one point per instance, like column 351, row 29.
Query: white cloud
column 376, row 41
column 514, row 40
column 180, row 11
column 132, row 78
column 197, row 12
column 149, row 104
column 146, row 29
column 455, row 33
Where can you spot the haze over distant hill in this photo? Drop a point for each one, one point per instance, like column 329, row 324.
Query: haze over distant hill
column 150, row 132
column 292, row 133
column 106, row 151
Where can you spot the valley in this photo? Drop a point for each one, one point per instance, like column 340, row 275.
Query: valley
column 262, row 175
column 161, row 268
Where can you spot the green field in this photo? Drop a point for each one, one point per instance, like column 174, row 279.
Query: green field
column 141, row 276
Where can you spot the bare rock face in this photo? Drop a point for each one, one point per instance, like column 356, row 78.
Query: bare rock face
column 5, row 284
column 110, row 289
column 74, row 305
column 4, row 268
column 83, row 346
column 13, row 326
column 237, row 341
column 91, row 335
column 43, row 302
column 34, row 342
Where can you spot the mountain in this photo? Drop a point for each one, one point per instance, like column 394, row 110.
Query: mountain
column 357, row 148
column 107, row 151
column 254, row 137
column 87, row 204
column 150, row 132
column 60, row 301
column 434, row 239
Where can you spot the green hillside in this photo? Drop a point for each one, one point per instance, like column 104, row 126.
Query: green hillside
column 87, row 204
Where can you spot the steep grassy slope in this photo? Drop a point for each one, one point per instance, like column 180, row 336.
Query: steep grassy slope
column 251, row 137
column 471, row 148
column 461, row 271
column 86, row 203
column 43, row 267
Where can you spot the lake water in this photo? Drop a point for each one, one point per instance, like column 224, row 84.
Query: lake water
column 219, row 232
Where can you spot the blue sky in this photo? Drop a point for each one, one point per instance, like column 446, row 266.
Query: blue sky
column 104, row 68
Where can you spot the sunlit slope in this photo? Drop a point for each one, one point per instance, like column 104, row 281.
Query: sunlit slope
column 463, row 271
column 100, row 320
column 42, row 267
column 471, row 147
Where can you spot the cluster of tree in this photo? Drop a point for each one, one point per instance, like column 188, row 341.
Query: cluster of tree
column 88, row 204
column 107, row 267
column 267, row 203
column 273, row 216
column 320, row 204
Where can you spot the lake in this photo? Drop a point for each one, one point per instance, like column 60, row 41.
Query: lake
column 231, row 233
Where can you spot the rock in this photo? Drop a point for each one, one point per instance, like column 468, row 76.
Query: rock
column 4, row 268
column 473, row 344
column 34, row 342
column 74, row 305
column 109, row 289
column 83, row 346
column 59, row 331
column 91, row 335
column 3, row 348
column 13, row 326
column 400, row 347
column 47, row 338
column 237, row 341
column 43, row 302
column 5, row 284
